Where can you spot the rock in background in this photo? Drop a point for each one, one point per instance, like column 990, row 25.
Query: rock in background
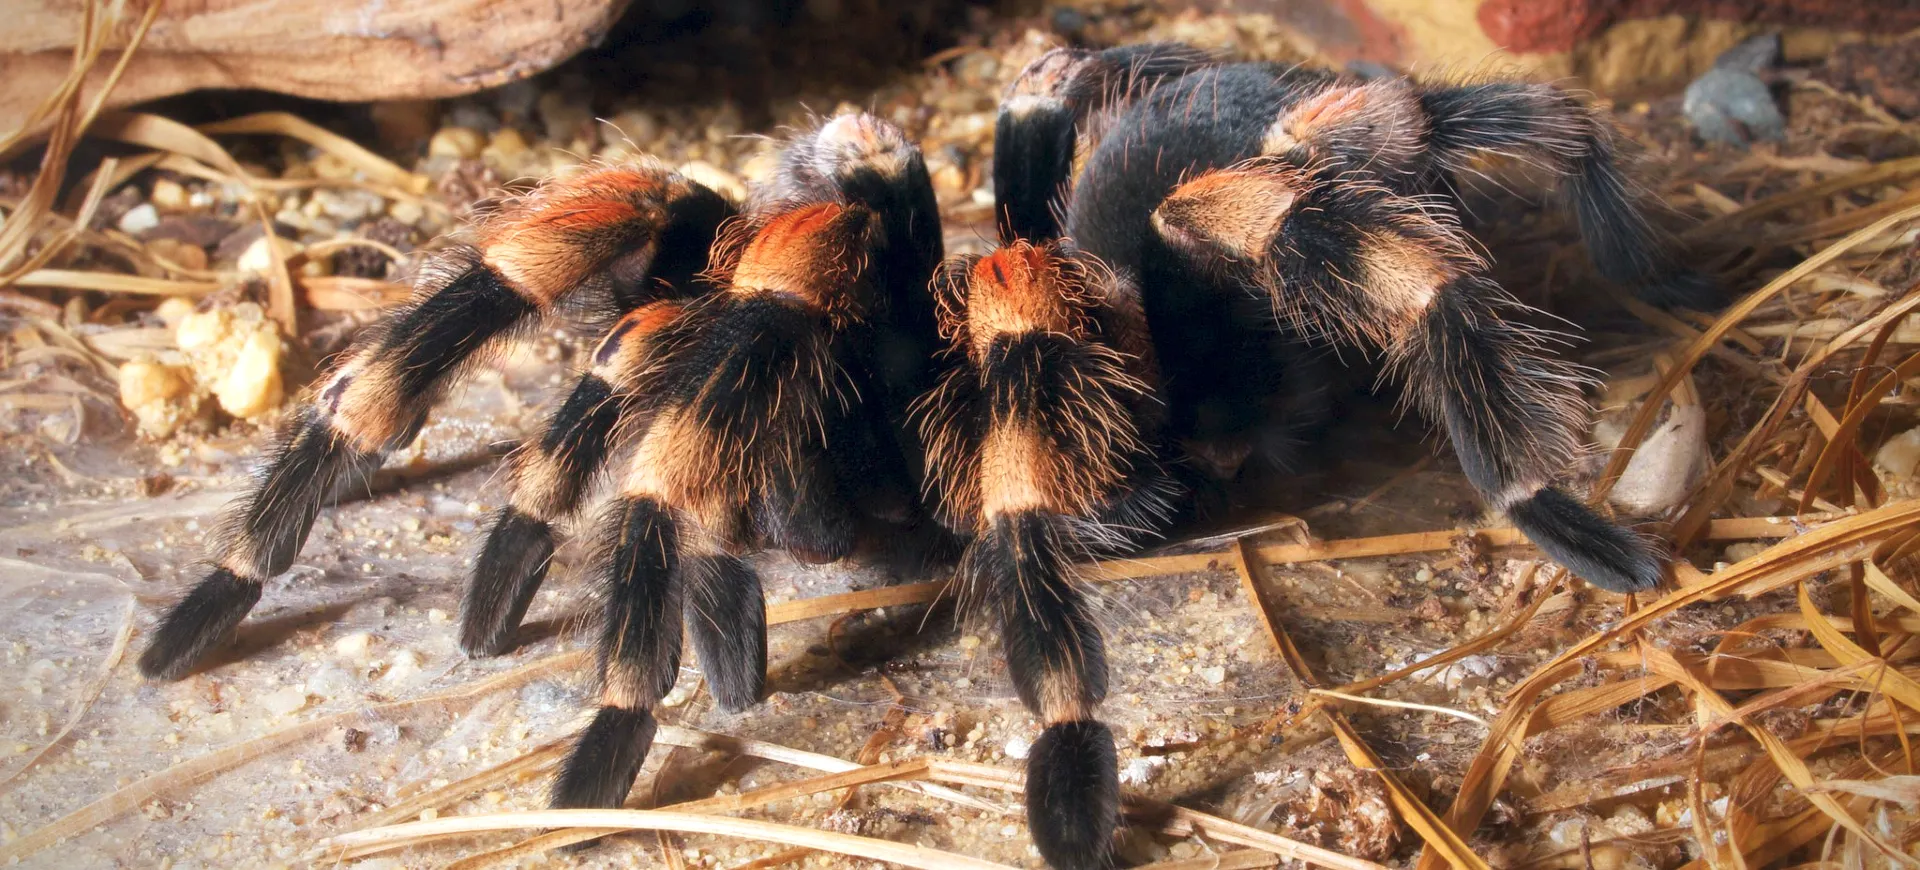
column 1614, row 47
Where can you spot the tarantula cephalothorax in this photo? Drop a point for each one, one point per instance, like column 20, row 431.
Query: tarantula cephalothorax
column 782, row 370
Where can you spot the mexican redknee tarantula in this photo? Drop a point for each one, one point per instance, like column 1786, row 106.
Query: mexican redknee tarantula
column 784, row 370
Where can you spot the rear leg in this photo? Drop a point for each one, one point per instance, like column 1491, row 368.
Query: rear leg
column 602, row 227
column 1359, row 265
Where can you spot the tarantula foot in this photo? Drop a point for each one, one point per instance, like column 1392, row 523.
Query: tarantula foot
column 508, row 573
column 1684, row 288
column 1073, row 795
column 201, row 621
column 605, row 760
column 1608, row 556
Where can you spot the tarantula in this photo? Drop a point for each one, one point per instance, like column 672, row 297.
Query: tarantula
column 783, row 370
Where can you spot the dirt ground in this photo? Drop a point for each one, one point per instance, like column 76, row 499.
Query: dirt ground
column 346, row 696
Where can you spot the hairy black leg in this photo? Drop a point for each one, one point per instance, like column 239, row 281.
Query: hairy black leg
column 600, row 228
column 639, row 653
column 802, row 510
column 727, row 616
column 1057, row 660
column 1036, row 441
column 1544, row 125
column 264, row 533
column 549, row 477
column 1359, row 265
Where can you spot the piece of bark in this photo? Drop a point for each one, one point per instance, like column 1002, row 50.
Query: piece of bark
column 349, row 50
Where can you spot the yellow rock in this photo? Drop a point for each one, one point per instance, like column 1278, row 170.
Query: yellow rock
column 174, row 309
column 169, row 195
column 506, row 143
column 252, row 386
column 160, row 396
column 256, row 258
column 179, row 253
column 464, row 143
column 202, row 329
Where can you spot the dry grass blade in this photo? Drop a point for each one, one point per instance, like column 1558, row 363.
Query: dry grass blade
column 1885, row 173
column 1840, row 442
column 1438, row 837
column 1239, row 859
column 114, row 282
column 361, row 843
column 162, row 134
column 1736, row 529
column 284, row 124
column 342, row 293
column 1790, row 764
column 1643, row 419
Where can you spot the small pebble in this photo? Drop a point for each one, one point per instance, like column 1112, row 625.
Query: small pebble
column 257, row 257
column 354, row 646
column 178, row 253
column 1733, row 107
column 1215, row 675
column 281, row 702
column 253, row 386
column 462, row 143
column 506, row 144
column 168, row 195
column 633, row 124
column 407, row 212
column 1900, row 456
column 139, row 219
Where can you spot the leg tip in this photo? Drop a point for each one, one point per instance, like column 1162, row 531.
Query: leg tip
column 1073, row 795
column 512, row 565
column 1684, row 288
column 1608, row 556
column 604, row 761
column 202, row 620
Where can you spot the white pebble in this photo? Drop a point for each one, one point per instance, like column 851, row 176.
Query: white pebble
column 281, row 702
column 1215, row 675
column 139, row 219
column 1018, row 747
column 354, row 646
column 1900, row 456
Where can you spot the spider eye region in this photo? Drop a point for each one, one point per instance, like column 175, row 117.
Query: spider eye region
column 1236, row 212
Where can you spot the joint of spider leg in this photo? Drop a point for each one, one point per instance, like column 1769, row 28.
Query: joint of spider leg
column 1045, row 84
column 621, row 356
column 1378, row 125
column 1238, row 213
column 859, row 142
column 1020, row 289
column 814, row 254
